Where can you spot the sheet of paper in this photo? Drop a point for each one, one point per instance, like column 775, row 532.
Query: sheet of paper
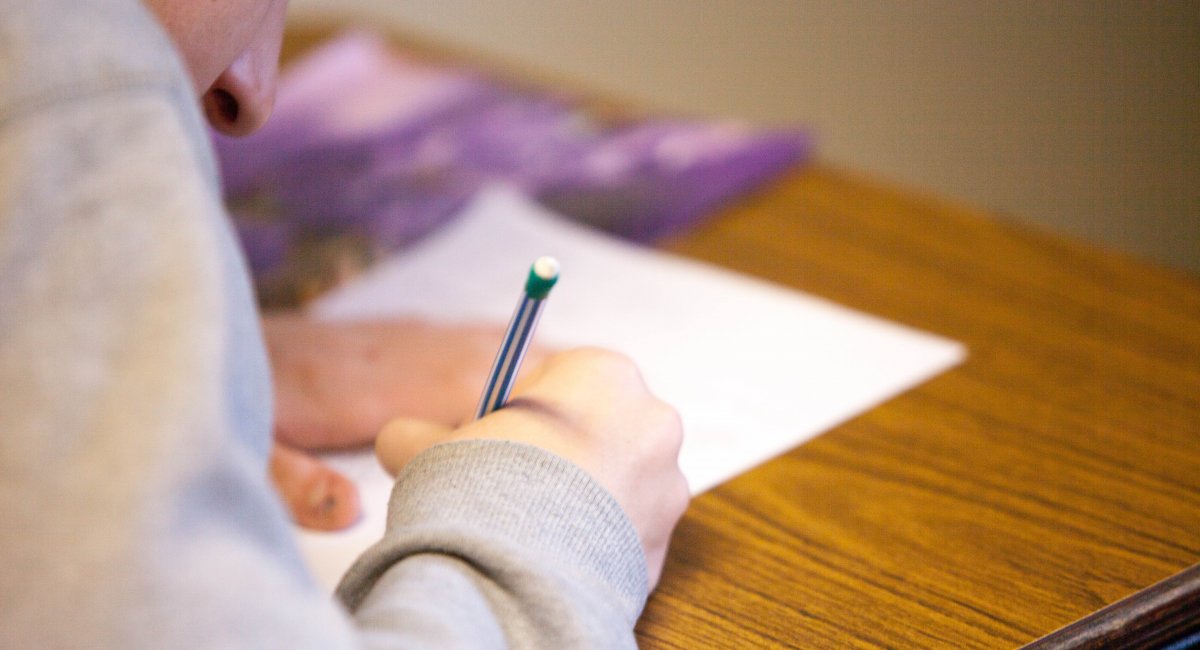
column 754, row 369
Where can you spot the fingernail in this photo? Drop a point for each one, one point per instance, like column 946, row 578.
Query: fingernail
column 320, row 498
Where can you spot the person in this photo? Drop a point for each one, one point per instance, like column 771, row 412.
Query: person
column 136, row 398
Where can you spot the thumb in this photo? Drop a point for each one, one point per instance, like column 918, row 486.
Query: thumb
column 403, row 438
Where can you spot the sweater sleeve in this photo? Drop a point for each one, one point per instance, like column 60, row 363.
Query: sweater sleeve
column 135, row 406
column 499, row 544
column 134, row 393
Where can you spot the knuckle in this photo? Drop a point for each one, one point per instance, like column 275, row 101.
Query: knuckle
column 588, row 354
column 605, row 362
column 671, row 426
column 613, row 361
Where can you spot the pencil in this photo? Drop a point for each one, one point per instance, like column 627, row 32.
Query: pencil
column 542, row 276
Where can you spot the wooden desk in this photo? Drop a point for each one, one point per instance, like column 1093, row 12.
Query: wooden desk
column 1053, row 473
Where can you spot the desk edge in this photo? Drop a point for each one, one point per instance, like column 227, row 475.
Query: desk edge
column 1150, row 618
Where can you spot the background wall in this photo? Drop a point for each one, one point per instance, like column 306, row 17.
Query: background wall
column 1083, row 117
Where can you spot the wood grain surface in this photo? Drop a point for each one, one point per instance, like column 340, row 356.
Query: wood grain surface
column 1055, row 472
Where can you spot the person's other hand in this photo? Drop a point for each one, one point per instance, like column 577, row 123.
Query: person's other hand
column 316, row 495
column 591, row 407
column 338, row 383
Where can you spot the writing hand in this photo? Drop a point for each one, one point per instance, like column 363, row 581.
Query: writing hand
column 591, row 407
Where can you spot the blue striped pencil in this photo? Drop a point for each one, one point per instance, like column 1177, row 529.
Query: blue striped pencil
column 542, row 276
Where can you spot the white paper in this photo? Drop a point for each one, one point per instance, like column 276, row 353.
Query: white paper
column 754, row 369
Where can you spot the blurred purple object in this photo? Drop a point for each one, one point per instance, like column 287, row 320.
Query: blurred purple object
column 657, row 178
column 368, row 145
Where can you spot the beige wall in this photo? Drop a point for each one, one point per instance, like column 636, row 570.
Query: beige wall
column 1080, row 116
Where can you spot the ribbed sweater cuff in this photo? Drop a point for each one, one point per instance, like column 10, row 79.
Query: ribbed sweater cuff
column 462, row 497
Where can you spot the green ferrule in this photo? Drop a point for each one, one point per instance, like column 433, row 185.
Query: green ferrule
column 537, row 287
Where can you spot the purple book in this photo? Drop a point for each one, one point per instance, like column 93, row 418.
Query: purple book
column 369, row 151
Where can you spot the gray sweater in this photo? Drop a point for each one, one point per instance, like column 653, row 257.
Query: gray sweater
column 135, row 511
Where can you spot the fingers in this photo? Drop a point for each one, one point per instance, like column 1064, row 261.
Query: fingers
column 403, row 438
column 317, row 496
